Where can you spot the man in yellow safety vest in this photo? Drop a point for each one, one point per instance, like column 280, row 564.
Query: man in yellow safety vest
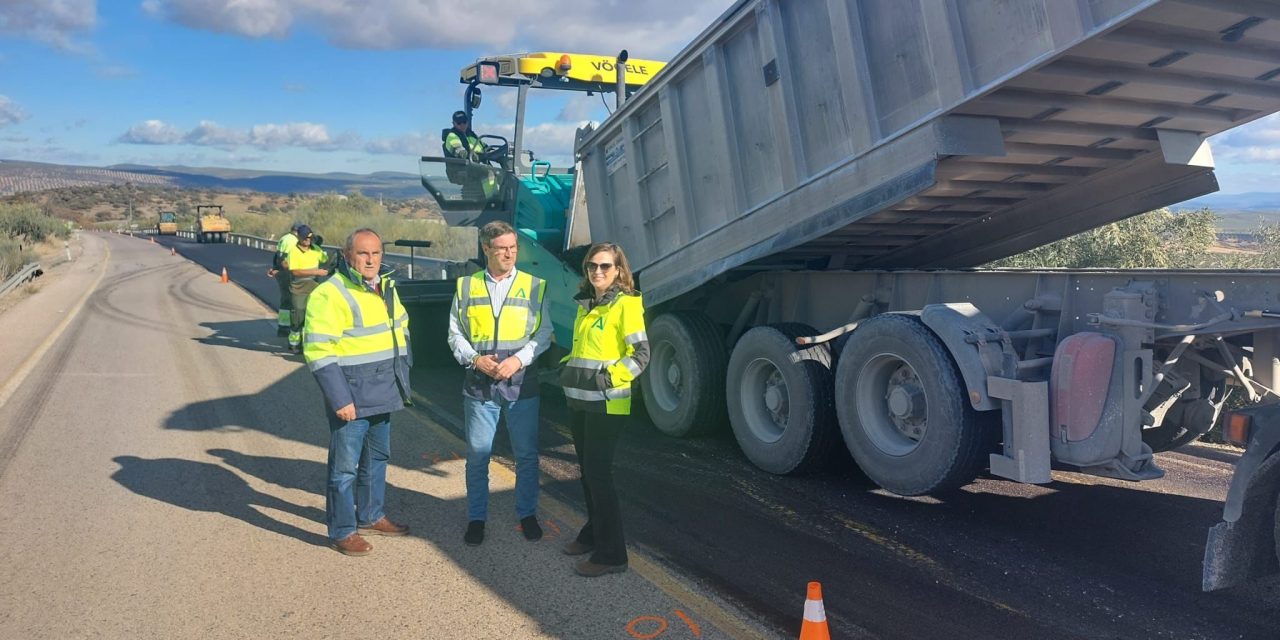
column 498, row 326
column 357, row 347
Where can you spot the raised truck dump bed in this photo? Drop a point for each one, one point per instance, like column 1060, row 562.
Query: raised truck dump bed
column 856, row 134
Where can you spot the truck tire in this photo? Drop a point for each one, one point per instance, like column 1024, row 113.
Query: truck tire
column 903, row 411
column 683, row 386
column 780, row 405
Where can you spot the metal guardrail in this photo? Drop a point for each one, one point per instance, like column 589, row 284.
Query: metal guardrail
column 419, row 267
column 29, row 272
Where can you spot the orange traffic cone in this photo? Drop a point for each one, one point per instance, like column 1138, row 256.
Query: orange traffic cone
column 815, row 616
column 225, row 279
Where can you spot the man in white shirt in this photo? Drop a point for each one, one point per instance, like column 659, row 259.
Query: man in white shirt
column 498, row 326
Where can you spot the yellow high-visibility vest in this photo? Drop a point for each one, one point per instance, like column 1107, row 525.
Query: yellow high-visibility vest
column 353, row 333
column 299, row 259
column 519, row 319
column 609, row 338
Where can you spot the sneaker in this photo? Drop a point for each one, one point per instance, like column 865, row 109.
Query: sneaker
column 530, row 527
column 589, row 569
column 352, row 545
column 383, row 527
column 575, row 548
column 475, row 533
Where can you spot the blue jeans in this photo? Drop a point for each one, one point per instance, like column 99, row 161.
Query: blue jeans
column 357, row 488
column 481, row 421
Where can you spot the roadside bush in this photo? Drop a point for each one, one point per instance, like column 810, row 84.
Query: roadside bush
column 11, row 258
column 27, row 222
column 336, row 216
column 1157, row 239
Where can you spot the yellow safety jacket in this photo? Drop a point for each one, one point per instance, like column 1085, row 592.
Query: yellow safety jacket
column 501, row 335
column 286, row 244
column 356, row 343
column 610, row 349
column 299, row 258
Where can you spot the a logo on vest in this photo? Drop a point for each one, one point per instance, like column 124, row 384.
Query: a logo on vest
column 521, row 294
column 599, row 323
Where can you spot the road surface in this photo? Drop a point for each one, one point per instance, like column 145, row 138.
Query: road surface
column 1082, row 557
column 162, row 472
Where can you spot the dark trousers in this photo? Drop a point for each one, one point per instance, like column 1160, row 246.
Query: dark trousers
column 301, row 289
column 283, row 279
column 595, row 438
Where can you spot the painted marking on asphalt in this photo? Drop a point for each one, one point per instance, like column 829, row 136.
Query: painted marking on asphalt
column 787, row 513
column 15, row 380
column 883, row 542
column 693, row 626
column 633, row 627
column 666, row 581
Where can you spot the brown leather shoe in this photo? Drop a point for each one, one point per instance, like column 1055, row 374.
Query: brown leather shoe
column 590, row 569
column 352, row 545
column 575, row 548
column 383, row 527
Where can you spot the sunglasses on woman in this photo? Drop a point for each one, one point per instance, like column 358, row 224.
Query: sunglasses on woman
column 603, row 267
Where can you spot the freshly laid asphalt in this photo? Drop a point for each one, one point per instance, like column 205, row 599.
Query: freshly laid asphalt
column 1082, row 557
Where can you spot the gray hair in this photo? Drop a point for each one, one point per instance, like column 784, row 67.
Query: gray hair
column 495, row 229
column 351, row 239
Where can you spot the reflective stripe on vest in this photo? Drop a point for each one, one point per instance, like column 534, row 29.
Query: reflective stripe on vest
column 372, row 336
column 515, row 324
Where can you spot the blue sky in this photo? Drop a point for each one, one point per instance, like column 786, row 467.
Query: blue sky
column 295, row 85
column 334, row 85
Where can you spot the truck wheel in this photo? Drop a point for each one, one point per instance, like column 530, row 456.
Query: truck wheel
column 903, row 411
column 683, row 386
column 779, row 399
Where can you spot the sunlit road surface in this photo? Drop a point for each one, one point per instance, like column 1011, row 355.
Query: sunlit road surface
column 162, row 474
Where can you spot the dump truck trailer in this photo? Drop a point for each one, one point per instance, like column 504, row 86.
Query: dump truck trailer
column 806, row 191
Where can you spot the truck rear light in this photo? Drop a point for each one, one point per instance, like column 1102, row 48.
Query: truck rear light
column 1236, row 428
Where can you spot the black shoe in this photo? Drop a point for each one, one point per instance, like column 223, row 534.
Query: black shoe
column 475, row 533
column 529, row 525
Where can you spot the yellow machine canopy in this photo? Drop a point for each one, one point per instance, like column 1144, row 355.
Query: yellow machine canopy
column 575, row 71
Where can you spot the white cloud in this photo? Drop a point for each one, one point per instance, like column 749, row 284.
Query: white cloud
column 586, row 25
column 413, row 144
column 10, row 112
column 151, row 132
column 210, row 134
column 52, row 21
column 548, row 140
column 1258, row 141
column 265, row 137
column 580, row 107
column 308, row 135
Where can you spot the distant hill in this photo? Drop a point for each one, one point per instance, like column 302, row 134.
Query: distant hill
column 1239, row 212
column 18, row 176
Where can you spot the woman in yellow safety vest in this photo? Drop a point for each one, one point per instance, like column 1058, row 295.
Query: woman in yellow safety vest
column 610, row 348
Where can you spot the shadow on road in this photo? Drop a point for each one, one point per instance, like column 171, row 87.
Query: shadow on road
column 202, row 486
column 247, row 335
